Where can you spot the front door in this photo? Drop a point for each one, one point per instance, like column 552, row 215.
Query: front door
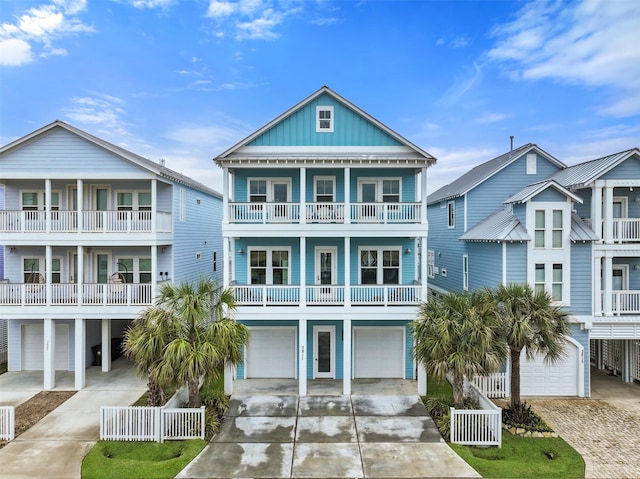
column 326, row 270
column 323, row 350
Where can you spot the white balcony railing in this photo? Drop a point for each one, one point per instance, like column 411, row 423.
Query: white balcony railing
column 67, row 294
column 268, row 213
column 92, row 221
column 626, row 229
column 625, row 302
column 268, row 295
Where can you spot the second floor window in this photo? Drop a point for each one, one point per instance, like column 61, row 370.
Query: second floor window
column 269, row 266
column 135, row 270
column 325, row 190
column 36, row 200
column 550, row 277
column 374, row 271
column 34, row 270
column 258, row 191
column 451, row 214
column 540, row 228
column 465, row 272
column 556, row 235
column 133, row 201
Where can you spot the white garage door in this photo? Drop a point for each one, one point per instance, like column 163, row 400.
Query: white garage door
column 537, row 378
column 33, row 347
column 271, row 353
column 378, row 353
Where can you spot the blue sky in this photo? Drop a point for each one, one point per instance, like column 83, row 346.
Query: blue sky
column 184, row 80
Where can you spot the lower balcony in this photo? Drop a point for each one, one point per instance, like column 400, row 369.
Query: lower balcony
column 324, row 295
column 623, row 302
column 72, row 294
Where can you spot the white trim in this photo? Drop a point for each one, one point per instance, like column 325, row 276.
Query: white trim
column 332, row 330
column 331, row 119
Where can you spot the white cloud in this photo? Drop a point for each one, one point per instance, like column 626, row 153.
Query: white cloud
column 260, row 28
column 152, row 3
column 491, row 118
column 14, row 52
column 220, row 9
column 103, row 111
column 453, row 163
column 39, row 27
column 590, row 42
column 324, row 21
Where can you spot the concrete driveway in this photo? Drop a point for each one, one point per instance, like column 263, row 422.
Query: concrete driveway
column 603, row 429
column 55, row 447
column 288, row 436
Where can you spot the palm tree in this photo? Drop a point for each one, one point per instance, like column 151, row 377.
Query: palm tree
column 194, row 336
column 531, row 322
column 456, row 334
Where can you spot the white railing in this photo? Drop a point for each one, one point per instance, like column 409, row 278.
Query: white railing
column 625, row 302
column 626, row 229
column 267, row 213
column 494, row 385
column 263, row 295
column 29, row 294
column 146, row 423
column 92, row 221
column 476, row 427
column 7, row 423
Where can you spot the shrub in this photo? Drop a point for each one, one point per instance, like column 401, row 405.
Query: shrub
column 523, row 417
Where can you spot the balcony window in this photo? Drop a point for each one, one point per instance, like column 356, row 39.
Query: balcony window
column 258, row 191
column 390, row 191
column 325, row 190
column 33, row 273
column 374, row 272
column 35, row 200
column 133, row 201
column 135, row 270
column 269, row 266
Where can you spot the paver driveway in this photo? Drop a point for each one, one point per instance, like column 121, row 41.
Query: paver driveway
column 327, row 436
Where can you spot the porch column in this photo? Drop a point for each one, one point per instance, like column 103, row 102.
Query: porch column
column 608, row 285
column 47, row 205
column 627, row 359
column 608, row 214
column 229, row 372
column 226, row 262
column 80, row 274
column 80, row 204
column 154, row 269
column 423, row 196
column 154, row 206
column 303, row 196
column 599, row 359
column 423, row 269
column 225, row 195
column 597, row 286
column 303, row 271
column 48, row 274
column 347, row 271
column 302, row 357
column 80, row 353
column 49, row 353
column 346, row 357
column 106, row 345
column 347, row 195
column 422, row 380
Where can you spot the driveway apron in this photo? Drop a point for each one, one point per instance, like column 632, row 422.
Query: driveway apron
column 327, row 436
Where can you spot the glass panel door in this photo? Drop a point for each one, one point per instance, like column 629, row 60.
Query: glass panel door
column 280, row 196
column 102, row 268
column 323, row 349
column 368, row 194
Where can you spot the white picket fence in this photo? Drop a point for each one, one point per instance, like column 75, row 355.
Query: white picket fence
column 477, row 427
column 7, row 423
column 494, row 385
column 146, row 423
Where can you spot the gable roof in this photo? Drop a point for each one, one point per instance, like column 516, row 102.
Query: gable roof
column 582, row 174
column 142, row 162
column 534, row 189
column 501, row 225
column 483, row 171
column 325, row 90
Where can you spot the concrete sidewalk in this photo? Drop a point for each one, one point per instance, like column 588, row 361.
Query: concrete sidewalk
column 327, row 436
column 55, row 447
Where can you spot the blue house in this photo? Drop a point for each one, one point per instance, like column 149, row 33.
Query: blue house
column 324, row 224
column 574, row 231
column 90, row 231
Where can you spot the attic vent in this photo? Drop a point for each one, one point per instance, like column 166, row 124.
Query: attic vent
column 443, row 272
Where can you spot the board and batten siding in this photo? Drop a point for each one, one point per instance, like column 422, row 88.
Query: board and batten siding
column 63, row 153
column 581, row 301
column 299, row 129
column 490, row 194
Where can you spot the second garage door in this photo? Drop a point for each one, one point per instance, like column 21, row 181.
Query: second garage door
column 537, row 378
column 271, row 353
column 33, row 347
column 378, row 352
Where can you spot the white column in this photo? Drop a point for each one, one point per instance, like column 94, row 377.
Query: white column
column 48, row 261
column 423, row 268
column 106, row 345
column 226, row 259
column 347, row 195
column 608, row 214
column 303, row 271
column 80, row 353
column 608, row 284
column 80, row 201
column 346, row 357
column 80, row 276
column 302, row 357
column 597, row 286
column 155, row 269
column 596, row 210
column 347, row 271
column 423, row 196
column 49, row 353
column 154, row 206
column 627, row 359
column 303, row 196
column 47, row 205
column 229, row 371
column 422, row 380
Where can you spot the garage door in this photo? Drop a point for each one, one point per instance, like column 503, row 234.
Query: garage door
column 537, row 378
column 378, row 353
column 271, row 353
column 33, row 347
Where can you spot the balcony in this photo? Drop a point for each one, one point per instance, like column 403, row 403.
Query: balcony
column 72, row 294
column 624, row 230
column 274, row 213
column 623, row 302
column 326, row 295
column 92, row 222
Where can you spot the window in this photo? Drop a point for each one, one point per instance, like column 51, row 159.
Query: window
column 372, row 271
column 272, row 190
column 556, row 285
column 35, row 200
column 391, row 191
column 539, row 228
column 258, row 191
column 531, row 163
column 378, row 190
column 32, row 273
column 29, row 201
column 135, row 270
column 133, row 201
column 451, row 212
column 125, row 201
column 431, row 263
column 539, row 278
column 556, row 235
column 556, row 282
column 269, row 266
column 215, row 261
column 324, row 119
column 325, row 190
column 465, row 272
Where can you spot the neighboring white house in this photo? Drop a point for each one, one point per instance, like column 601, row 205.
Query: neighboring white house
column 324, row 229
column 89, row 232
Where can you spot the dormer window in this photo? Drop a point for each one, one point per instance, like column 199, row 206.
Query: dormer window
column 324, row 119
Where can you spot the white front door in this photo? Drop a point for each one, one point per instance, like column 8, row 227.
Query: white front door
column 323, row 352
column 326, row 270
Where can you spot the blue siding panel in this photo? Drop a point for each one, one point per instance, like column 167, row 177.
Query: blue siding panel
column 581, row 274
column 485, row 265
column 516, row 263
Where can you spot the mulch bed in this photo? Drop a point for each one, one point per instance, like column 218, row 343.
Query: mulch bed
column 30, row 412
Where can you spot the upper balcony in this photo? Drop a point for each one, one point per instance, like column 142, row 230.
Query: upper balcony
column 340, row 213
